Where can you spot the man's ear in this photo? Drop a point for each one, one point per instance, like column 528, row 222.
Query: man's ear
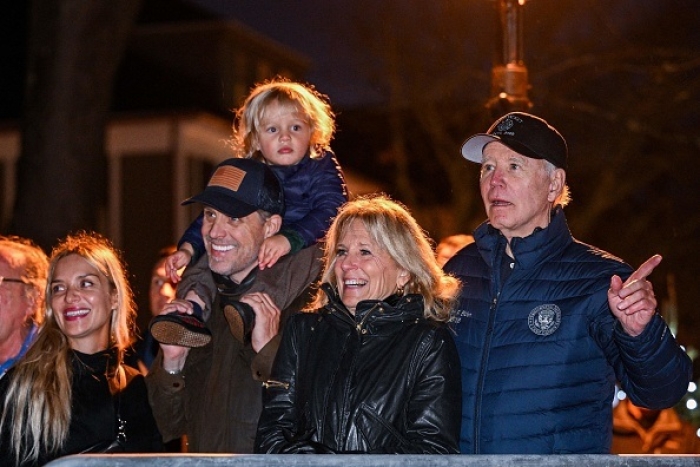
column 273, row 224
column 557, row 181
column 32, row 302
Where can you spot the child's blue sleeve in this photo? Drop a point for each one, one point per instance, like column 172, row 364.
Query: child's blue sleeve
column 193, row 236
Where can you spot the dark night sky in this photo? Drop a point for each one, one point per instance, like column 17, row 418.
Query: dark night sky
column 325, row 30
column 317, row 29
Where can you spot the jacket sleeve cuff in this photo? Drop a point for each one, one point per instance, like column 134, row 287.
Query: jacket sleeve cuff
column 646, row 354
column 166, row 382
column 656, row 327
column 262, row 362
column 166, row 396
column 296, row 242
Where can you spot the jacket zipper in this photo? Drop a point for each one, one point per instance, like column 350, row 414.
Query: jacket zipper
column 342, row 437
column 487, row 348
column 480, row 387
column 275, row 384
column 359, row 326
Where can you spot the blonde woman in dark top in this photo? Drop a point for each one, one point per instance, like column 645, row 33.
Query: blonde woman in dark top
column 72, row 391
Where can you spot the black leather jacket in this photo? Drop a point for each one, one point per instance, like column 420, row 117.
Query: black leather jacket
column 385, row 380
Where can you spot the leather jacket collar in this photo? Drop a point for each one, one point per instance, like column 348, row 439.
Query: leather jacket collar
column 372, row 315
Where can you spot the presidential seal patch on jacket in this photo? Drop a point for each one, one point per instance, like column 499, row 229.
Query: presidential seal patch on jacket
column 544, row 319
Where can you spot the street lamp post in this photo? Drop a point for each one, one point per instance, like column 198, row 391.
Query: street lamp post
column 509, row 79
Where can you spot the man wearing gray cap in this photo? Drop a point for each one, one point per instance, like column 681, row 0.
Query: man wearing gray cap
column 212, row 392
column 545, row 324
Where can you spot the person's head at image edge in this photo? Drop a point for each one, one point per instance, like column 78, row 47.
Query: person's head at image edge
column 243, row 205
column 523, row 172
column 89, row 308
column 161, row 289
column 281, row 121
column 23, row 267
column 450, row 245
column 375, row 249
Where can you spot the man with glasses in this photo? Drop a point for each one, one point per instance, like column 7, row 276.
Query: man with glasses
column 23, row 269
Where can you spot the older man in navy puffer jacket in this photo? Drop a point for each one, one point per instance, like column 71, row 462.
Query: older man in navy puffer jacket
column 546, row 324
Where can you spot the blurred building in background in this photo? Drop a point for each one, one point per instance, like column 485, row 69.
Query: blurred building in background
column 183, row 74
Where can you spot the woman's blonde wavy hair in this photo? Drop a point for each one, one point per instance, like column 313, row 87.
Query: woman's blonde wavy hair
column 392, row 227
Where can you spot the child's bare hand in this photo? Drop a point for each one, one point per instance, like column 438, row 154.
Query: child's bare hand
column 272, row 249
column 175, row 262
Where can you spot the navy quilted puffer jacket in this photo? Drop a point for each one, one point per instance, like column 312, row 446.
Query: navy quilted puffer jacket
column 314, row 189
column 541, row 351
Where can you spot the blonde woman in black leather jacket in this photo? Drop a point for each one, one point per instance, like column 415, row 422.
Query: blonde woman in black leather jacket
column 373, row 369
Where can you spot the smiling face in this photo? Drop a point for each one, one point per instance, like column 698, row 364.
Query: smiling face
column 363, row 269
column 284, row 135
column 82, row 300
column 233, row 244
column 517, row 191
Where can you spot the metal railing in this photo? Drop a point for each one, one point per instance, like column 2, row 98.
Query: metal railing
column 354, row 460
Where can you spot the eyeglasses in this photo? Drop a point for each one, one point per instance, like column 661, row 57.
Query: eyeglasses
column 10, row 279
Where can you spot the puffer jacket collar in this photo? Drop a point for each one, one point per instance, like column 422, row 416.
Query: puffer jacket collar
column 529, row 251
column 283, row 172
column 374, row 316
